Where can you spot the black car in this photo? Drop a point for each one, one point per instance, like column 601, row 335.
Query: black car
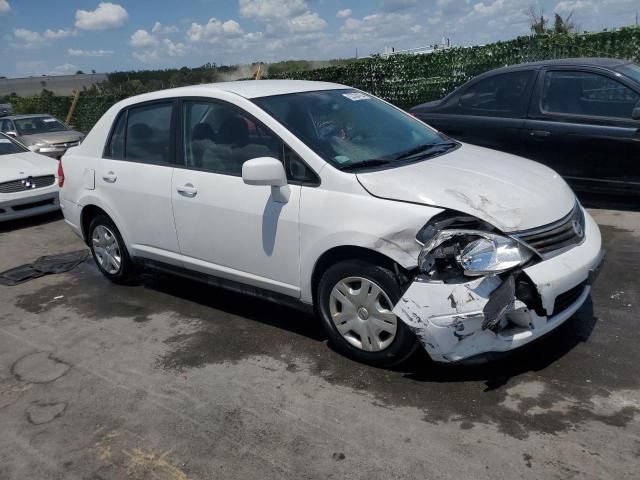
column 579, row 116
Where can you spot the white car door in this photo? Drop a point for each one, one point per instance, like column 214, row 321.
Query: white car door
column 227, row 228
column 134, row 179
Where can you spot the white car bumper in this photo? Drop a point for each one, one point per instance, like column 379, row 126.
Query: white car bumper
column 29, row 203
column 448, row 318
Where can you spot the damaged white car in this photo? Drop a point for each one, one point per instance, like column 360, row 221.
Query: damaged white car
column 324, row 196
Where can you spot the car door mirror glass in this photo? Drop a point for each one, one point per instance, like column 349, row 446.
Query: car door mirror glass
column 264, row 171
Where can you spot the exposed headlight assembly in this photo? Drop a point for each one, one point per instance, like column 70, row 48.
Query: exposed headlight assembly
column 471, row 252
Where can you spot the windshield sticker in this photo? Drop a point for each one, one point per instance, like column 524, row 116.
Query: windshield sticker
column 341, row 159
column 5, row 140
column 355, row 96
column 49, row 120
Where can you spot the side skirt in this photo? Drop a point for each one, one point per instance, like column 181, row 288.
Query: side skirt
column 231, row 285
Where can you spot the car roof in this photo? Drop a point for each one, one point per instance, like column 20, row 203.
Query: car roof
column 27, row 115
column 610, row 63
column 244, row 88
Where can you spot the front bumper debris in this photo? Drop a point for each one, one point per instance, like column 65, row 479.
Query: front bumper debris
column 484, row 315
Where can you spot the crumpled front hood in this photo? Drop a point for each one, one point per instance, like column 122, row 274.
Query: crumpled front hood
column 21, row 165
column 52, row 137
column 506, row 191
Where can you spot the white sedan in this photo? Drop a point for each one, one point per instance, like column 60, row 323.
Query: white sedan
column 28, row 181
column 327, row 197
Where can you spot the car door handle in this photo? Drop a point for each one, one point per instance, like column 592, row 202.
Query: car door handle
column 110, row 177
column 540, row 133
column 187, row 190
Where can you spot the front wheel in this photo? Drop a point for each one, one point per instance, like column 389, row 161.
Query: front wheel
column 109, row 250
column 355, row 300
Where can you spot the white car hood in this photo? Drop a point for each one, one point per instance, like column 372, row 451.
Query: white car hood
column 26, row 164
column 506, row 191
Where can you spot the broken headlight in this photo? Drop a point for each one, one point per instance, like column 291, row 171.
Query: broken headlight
column 450, row 253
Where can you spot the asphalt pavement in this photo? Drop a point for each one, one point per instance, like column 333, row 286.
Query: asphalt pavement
column 171, row 379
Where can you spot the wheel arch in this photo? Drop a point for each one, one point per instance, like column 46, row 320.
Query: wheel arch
column 350, row 252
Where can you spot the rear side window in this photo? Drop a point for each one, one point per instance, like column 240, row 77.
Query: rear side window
column 142, row 134
column 505, row 93
column 587, row 94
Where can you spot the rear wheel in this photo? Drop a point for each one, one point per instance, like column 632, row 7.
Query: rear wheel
column 355, row 300
column 109, row 250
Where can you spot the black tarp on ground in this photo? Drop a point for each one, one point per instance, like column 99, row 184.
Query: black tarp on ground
column 43, row 266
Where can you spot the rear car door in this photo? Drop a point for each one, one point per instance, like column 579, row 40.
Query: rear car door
column 134, row 179
column 580, row 125
column 226, row 228
column 489, row 112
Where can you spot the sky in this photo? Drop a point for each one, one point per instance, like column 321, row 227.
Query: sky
column 60, row 37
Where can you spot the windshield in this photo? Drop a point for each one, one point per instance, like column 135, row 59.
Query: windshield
column 8, row 146
column 353, row 130
column 34, row 125
column 631, row 70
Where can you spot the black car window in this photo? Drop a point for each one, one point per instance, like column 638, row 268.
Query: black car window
column 5, row 126
column 115, row 146
column 505, row 93
column 297, row 170
column 148, row 133
column 219, row 138
column 587, row 94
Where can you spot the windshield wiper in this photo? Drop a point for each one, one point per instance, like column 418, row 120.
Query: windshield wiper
column 373, row 162
column 426, row 148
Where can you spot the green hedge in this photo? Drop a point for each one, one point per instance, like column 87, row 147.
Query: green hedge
column 404, row 80
column 407, row 80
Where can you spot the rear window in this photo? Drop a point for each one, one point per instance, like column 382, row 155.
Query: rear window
column 9, row 147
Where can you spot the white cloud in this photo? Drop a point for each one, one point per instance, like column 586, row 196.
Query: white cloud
column 89, row 53
column 346, row 13
column 160, row 29
column 142, row 38
column 66, row 69
column 107, row 15
column 4, row 6
column 214, row 31
column 174, row 49
column 272, row 9
column 28, row 38
column 307, row 22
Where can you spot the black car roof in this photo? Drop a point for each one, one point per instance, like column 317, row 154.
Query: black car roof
column 569, row 62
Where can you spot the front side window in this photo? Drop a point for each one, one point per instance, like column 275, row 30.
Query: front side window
column 9, row 147
column 38, row 125
column 352, row 130
column 505, row 93
column 219, row 138
column 5, row 126
column 587, row 94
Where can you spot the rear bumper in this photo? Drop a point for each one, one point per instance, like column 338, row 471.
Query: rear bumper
column 27, row 204
column 448, row 318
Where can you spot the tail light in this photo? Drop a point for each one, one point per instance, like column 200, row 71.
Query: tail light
column 60, row 174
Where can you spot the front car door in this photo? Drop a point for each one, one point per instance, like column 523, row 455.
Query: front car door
column 134, row 179
column 580, row 125
column 226, row 228
column 489, row 111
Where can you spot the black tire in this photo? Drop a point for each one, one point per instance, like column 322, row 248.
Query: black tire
column 403, row 344
column 127, row 270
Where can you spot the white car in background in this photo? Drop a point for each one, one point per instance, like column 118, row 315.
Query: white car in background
column 327, row 197
column 28, row 181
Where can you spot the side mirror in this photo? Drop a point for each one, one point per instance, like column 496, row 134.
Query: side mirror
column 270, row 172
column 635, row 114
column 11, row 133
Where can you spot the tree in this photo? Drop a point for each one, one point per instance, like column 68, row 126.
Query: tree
column 79, row 72
column 538, row 22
